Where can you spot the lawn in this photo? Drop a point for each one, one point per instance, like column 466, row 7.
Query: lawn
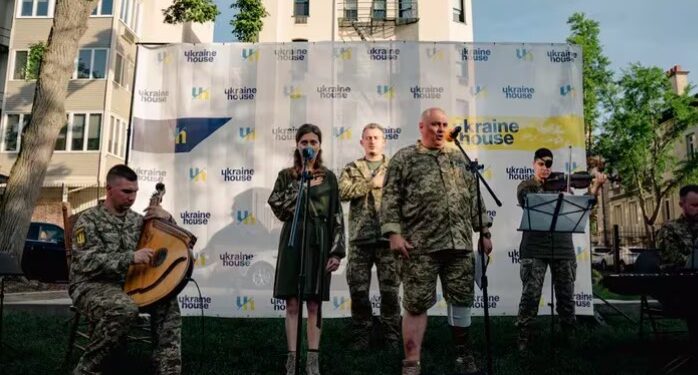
column 257, row 346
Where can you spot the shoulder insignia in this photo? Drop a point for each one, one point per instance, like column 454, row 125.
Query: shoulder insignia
column 80, row 237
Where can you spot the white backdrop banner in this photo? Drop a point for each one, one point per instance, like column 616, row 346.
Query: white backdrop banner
column 216, row 122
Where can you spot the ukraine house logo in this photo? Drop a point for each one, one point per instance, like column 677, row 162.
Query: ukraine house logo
column 240, row 93
column 200, row 93
column 164, row 57
column 561, row 56
column 475, row 54
column 245, row 217
column 197, row 174
column 342, row 133
column 383, row 54
column 435, row 54
column 385, row 91
column 518, row 92
column 203, row 56
column 293, row 92
column 250, row 54
column 568, row 90
column 582, row 254
column 524, row 54
column 244, row 303
column 246, row 134
column 341, row 303
column 180, row 136
column 343, row 53
column 478, row 91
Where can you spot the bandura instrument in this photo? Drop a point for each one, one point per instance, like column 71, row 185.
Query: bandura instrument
column 172, row 263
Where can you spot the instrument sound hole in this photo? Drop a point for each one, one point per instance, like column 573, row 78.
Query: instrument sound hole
column 160, row 256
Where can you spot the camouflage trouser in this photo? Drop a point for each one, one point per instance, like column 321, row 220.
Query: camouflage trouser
column 113, row 313
column 564, row 272
column 455, row 268
column 361, row 260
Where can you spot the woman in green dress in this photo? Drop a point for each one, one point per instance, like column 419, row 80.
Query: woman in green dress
column 324, row 242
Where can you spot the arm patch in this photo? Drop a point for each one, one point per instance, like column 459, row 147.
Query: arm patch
column 80, row 237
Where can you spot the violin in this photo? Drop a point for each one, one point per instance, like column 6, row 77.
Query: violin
column 557, row 181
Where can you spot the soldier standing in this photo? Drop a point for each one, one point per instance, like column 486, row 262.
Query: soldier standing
column 104, row 246
column 429, row 212
column 361, row 183
column 678, row 248
column 535, row 255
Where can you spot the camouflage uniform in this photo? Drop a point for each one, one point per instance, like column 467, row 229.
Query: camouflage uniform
column 535, row 256
column 103, row 248
column 677, row 240
column 367, row 246
column 430, row 199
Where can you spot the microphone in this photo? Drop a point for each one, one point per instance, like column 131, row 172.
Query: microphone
column 453, row 134
column 308, row 153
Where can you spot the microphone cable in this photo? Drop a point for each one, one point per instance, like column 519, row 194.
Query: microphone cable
column 203, row 331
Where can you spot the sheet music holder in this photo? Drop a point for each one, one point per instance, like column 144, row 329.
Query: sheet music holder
column 555, row 213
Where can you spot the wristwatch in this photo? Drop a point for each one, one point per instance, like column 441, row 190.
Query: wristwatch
column 487, row 235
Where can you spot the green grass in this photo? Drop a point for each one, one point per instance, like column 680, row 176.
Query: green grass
column 601, row 291
column 257, row 346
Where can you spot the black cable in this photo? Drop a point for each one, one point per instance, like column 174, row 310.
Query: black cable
column 203, row 341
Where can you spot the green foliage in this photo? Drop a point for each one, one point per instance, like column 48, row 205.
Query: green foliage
column 199, row 11
column 36, row 53
column 596, row 75
column 647, row 119
column 247, row 23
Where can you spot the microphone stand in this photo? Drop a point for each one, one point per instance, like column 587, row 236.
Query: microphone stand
column 474, row 167
column 304, row 188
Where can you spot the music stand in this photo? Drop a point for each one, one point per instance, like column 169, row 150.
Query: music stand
column 9, row 266
column 555, row 213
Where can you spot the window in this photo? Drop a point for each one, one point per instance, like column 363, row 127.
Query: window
column 103, row 8
column 407, row 9
column 36, row 8
column 458, row 12
column 20, row 67
column 91, row 64
column 378, row 9
column 116, row 144
column 618, row 215
column 131, row 13
column 82, row 133
column 301, row 8
column 62, row 137
column 690, row 145
column 350, row 10
column 12, row 133
column 123, row 71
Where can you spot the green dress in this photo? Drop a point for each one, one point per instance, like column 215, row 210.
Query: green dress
column 324, row 235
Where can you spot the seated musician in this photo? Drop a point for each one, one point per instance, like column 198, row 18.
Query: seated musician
column 103, row 248
column 676, row 240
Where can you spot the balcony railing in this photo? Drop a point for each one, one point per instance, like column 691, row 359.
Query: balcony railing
column 376, row 12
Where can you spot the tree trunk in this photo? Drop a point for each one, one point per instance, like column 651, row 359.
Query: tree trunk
column 48, row 117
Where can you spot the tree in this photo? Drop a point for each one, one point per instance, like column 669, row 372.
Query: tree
column 596, row 75
column 247, row 23
column 646, row 120
column 48, row 111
